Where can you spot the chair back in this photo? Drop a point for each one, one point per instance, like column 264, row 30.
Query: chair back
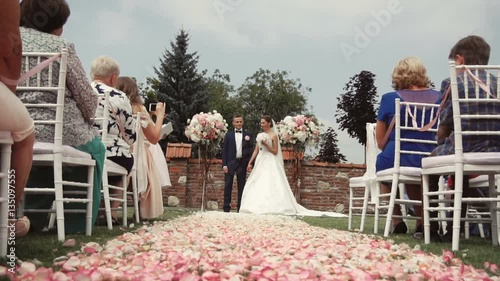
column 57, row 88
column 475, row 97
column 410, row 117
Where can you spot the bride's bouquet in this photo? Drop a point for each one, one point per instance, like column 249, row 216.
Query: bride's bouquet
column 206, row 128
column 298, row 130
column 262, row 137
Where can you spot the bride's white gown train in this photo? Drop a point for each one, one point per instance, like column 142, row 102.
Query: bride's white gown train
column 267, row 190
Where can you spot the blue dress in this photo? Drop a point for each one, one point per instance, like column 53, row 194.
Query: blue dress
column 385, row 160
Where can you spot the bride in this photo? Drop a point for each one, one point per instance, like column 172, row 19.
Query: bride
column 267, row 190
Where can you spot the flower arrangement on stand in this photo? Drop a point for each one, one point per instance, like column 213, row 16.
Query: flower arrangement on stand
column 297, row 132
column 207, row 130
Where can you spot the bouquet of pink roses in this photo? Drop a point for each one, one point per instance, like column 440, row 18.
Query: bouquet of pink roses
column 297, row 130
column 206, row 128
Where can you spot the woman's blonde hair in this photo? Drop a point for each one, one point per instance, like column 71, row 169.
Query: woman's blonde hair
column 410, row 72
column 129, row 87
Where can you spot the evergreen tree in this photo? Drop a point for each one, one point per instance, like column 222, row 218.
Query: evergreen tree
column 180, row 86
column 329, row 150
column 356, row 106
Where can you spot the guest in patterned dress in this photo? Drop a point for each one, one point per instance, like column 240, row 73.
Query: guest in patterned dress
column 80, row 102
column 151, row 198
column 121, row 126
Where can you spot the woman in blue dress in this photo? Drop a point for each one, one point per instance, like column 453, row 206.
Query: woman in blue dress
column 410, row 82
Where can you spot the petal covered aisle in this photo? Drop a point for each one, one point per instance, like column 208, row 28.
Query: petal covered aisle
column 222, row 246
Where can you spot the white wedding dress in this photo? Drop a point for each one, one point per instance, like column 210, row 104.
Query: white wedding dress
column 267, row 190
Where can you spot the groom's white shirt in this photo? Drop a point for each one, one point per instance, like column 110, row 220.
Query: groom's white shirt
column 238, row 138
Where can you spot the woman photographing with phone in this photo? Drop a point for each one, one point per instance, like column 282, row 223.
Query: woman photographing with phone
column 150, row 154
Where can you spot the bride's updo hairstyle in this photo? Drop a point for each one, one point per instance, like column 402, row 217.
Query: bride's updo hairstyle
column 268, row 120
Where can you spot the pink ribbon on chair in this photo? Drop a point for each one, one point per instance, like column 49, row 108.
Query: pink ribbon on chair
column 39, row 67
column 481, row 83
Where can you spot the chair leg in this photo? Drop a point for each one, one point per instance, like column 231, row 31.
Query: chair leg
column 457, row 208
column 402, row 193
column 90, row 198
column 425, row 209
column 124, row 198
column 351, row 194
column 466, row 223
column 377, row 210
column 493, row 211
column 390, row 210
column 59, row 200
column 365, row 206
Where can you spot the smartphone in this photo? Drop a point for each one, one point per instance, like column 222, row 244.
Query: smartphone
column 152, row 107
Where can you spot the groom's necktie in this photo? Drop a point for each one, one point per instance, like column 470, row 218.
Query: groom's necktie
column 238, row 131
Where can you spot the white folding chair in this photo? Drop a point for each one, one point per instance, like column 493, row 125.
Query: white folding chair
column 5, row 189
column 366, row 182
column 466, row 163
column 110, row 168
column 399, row 174
column 56, row 154
column 477, row 210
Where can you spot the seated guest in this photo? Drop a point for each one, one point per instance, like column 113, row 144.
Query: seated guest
column 14, row 116
column 122, row 126
column 80, row 101
column 151, row 197
column 409, row 79
column 471, row 50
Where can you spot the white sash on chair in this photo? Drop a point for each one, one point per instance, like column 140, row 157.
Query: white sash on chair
column 141, row 163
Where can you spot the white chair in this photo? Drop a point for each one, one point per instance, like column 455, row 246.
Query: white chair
column 476, row 210
column 110, row 168
column 5, row 189
column 466, row 163
column 56, row 154
column 367, row 182
column 399, row 174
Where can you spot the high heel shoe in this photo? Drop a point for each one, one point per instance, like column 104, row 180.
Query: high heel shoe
column 22, row 227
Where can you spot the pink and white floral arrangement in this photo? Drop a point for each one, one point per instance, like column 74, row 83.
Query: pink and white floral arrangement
column 298, row 129
column 206, row 128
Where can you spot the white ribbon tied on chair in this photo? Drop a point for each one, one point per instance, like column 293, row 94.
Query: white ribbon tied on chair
column 371, row 158
column 140, row 161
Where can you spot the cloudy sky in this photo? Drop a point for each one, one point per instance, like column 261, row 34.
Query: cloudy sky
column 322, row 42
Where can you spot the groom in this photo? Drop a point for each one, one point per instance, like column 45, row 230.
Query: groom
column 238, row 148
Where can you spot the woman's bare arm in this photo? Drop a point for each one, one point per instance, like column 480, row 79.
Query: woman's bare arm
column 10, row 42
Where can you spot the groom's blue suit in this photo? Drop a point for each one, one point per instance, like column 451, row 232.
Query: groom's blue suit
column 236, row 166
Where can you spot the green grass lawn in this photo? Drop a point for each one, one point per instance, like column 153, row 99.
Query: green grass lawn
column 44, row 247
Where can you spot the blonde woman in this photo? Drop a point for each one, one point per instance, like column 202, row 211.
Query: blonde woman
column 151, row 198
column 410, row 82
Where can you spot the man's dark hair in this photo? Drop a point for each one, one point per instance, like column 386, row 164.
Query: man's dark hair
column 44, row 15
column 237, row 116
column 473, row 49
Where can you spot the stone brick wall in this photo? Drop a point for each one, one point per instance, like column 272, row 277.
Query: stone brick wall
column 323, row 186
